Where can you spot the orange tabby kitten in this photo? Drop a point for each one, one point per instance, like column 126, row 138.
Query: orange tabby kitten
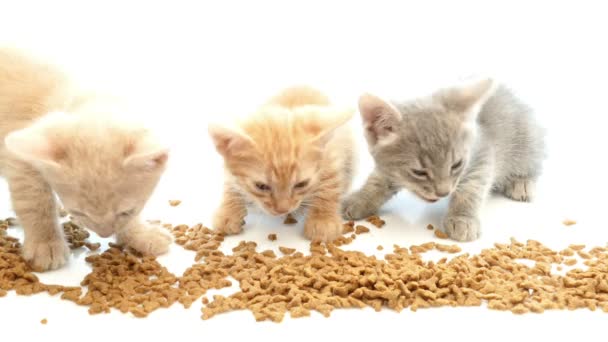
column 103, row 171
column 295, row 151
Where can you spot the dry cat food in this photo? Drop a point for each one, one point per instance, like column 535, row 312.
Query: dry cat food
column 569, row 222
column 361, row 229
column 348, row 227
column 272, row 237
column 174, row 203
column 376, row 221
column 440, row 234
column 289, row 219
column 329, row 278
column 430, row 227
column 44, row 321
column 287, row 250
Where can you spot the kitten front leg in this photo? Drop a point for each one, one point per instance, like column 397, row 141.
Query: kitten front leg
column 230, row 216
column 323, row 223
column 462, row 221
column 33, row 200
column 145, row 238
column 368, row 200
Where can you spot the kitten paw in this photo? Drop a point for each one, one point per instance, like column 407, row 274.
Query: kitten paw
column 46, row 255
column 147, row 240
column 355, row 208
column 520, row 190
column 228, row 224
column 323, row 229
column 462, row 228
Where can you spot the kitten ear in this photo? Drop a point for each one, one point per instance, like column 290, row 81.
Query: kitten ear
column 324, row 129
column 228, row 141
column 468, row 99
column 380, row 118
column 33, row 147
column 148, row 154
column 35, row 143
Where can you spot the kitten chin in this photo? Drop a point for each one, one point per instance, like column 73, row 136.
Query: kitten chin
column 294, row 152
column 460, row 142
column 56, row 141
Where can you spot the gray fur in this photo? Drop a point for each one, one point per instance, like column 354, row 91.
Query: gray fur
column 485, row 126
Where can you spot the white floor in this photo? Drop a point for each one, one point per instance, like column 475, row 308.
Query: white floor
column 223, row 61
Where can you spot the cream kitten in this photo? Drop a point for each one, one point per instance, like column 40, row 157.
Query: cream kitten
column 295, row 151
column 103, row 171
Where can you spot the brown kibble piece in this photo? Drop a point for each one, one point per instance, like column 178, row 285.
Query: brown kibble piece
column 272, row 237
column 289, row 219
column 361, row 229
column 175, row 203
column 376, row 221
column 440, row 234
column 44, row 321
column 379, row 247
column 569, row 222
column 286, row 250
column 430, row 227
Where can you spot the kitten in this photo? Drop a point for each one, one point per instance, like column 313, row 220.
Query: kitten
column 103, row 171
column 462, row 141
column 295, row 152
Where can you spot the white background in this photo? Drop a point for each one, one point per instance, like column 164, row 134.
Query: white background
column 188, row 63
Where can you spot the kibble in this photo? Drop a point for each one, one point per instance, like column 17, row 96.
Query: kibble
column 272, row 237
column 289, row 219
column 569, row 222
column 440, row 234
column 376, row 221
column 174, row 203
column 361, row 229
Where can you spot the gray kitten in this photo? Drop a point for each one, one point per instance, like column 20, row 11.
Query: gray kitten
column 462, row 141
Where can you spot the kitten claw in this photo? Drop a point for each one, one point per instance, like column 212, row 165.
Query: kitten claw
column 323, row 229
column 353, row 208
column 462, row 228
column 46, row 255
column 228, row 224
column 520, row 190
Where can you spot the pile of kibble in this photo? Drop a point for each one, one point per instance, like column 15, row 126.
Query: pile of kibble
column 325, row 279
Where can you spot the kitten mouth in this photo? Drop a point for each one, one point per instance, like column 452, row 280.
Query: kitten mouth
column 428, row 200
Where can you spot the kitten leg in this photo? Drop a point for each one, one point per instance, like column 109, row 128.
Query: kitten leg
column 368, row 200
column 323, row 223
column 33, row 200
column 145, row 238
column 230, row 216
column 462, row 221
column 520, row 189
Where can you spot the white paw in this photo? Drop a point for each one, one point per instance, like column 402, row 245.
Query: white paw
column 355, row 208
column 520, row 190
column 462, row 228
column 325, row 229
column 46, row 255
column 147, row 240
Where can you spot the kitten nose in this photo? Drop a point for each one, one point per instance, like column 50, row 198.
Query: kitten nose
column 281, row 208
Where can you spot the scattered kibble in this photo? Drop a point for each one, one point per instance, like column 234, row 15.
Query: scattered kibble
column 289, row 219
column 361, row 229
column 376, row 221
column 174, row 203
column 272, row 237
column 440, row 234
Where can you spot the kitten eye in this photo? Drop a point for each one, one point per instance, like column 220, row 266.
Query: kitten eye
column 301, row 184
column 126, row 213
column 262, row 186
column 420, row 173
column 457, row 165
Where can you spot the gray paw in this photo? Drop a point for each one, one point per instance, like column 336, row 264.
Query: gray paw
column 520, row 190
column 355, row 208
column 462, row 228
